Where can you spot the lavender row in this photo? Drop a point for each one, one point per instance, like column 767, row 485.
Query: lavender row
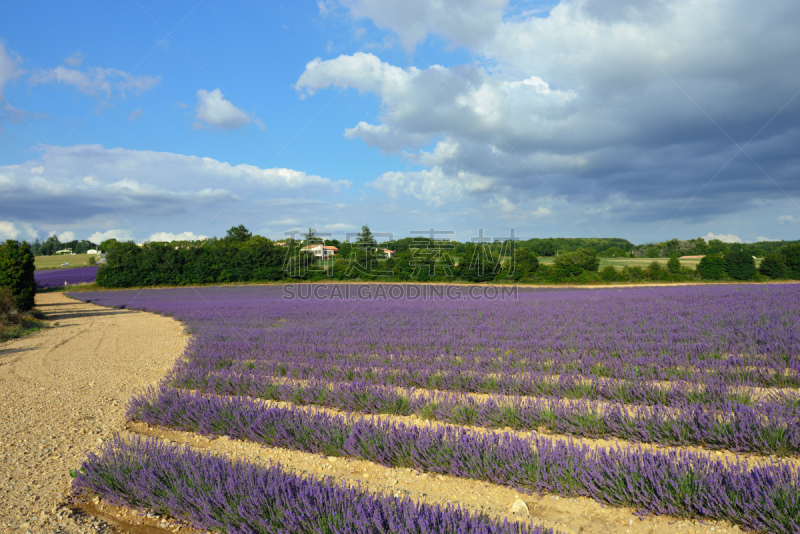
column 677, row 483
column 714, row 393
column 733, row 334
column 769, row 428
column 65, row 277
column 237, row 497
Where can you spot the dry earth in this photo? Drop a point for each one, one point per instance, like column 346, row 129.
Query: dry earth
column 63, row 391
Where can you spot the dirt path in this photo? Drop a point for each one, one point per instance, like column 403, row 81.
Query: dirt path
column 62, row 391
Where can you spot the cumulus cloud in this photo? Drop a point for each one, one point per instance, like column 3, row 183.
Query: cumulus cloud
column 214, row 110
column 465, row 22
column 137, row 187
column 786, row 219
column 67, row 236
column 16, row 230
column 118, row 234
column 96, row 81
column 657, row 104
column 433, row 187
column 725, row 238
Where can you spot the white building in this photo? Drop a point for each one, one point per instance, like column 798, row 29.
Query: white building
column 320, row 251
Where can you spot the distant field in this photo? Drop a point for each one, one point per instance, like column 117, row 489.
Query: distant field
column 54, row 262
column 619, row 263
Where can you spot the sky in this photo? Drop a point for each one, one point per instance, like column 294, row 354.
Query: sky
column 642, row 119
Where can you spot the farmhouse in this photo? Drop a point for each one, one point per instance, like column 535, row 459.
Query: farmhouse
column 320, row 251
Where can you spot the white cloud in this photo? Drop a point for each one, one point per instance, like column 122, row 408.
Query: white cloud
column 590, row 101
column 464, row 103
column 16, row 230
column 762, row 238
column 90, row 186
column 135, row 114
column 169, row 236
column 786, row 219
column 214, row 110
column 9, row 69
column 66, row 236
column 540, row 212
column 96, row 81
column 725, row 238
column 8, row 230
column 465, row 22
column 120, row 235
column 75, row 60
column 433, row 187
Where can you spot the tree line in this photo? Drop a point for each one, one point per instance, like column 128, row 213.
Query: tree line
column 243, row 257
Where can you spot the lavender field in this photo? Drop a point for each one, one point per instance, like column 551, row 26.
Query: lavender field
column 703, row 367
column 65, row 277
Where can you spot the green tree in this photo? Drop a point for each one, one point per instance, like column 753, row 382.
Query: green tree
column 108, row 244
column 50, row 246
column 740, row 264
column 773, row 266
column 791, row 258
column 311, row 237
column 614, row 252
column 238, row 233
column 652, row 252
column 674, row 264
column 655, row 271
column 16, row 273
column 365, row 236
column 571, row 264
column 525, row 264
column 715, row 246
column 712, row 267
column 609, row 274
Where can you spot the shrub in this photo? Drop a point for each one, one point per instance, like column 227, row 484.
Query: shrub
column 674, row 264
column 16, row 273
column 8, row 308
column 525, row 263
column 712, row 267
column 571, row 264
column 655, row 271
column 740, row 265
column 773, row 266
column 608, row 274
column 791, row 258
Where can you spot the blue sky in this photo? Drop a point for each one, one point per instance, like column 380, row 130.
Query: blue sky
column 584, row 118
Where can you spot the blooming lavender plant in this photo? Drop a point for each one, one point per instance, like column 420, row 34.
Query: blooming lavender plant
column 237, row 497
column 61, row 277
column 732, row 335
column 682, row 483
column 671, row 365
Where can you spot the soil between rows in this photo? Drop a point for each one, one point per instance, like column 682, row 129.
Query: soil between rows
column 63, row 392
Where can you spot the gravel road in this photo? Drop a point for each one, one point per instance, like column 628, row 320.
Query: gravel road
column 62, row 392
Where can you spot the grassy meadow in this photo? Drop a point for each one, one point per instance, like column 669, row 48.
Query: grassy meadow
column 44, row 263
column 619, row 263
